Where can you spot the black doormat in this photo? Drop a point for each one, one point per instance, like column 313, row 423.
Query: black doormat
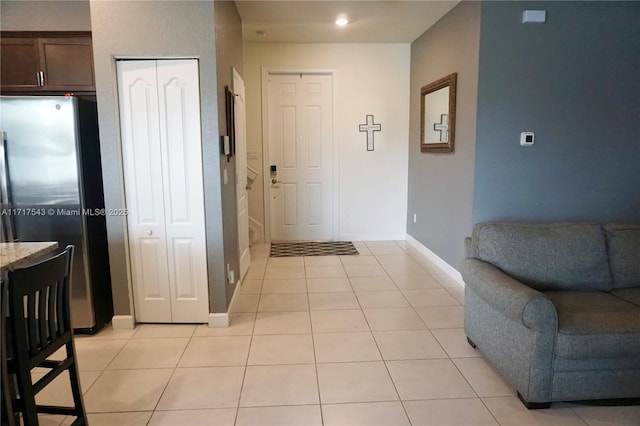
column 313, row 248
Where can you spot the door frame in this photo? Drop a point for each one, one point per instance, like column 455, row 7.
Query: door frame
column 335, row 153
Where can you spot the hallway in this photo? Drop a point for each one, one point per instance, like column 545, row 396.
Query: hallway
column 351, row 340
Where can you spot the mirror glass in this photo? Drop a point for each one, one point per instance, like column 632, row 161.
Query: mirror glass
column 437, row 118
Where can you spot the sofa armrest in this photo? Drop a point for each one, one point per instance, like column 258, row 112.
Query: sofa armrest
column 511, row 297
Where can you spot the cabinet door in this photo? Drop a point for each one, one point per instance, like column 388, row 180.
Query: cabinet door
column 20, row 65
column 67, row 63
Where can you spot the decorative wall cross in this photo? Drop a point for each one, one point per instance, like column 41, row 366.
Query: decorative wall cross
column 369, row 127
column 443, row 127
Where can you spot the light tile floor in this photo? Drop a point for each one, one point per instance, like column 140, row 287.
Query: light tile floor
column 374, row 339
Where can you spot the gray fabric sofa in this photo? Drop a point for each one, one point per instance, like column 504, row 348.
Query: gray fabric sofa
column 556, row 308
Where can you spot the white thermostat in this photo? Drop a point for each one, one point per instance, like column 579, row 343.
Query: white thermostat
column 527, row 138
column 534, row 16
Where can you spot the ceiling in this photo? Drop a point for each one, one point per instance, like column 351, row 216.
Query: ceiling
column 312, row 21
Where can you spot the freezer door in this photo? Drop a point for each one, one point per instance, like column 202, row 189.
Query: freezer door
column 41, row 152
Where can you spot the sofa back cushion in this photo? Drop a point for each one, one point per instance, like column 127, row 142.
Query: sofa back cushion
column 623, row 242
column 556, row 256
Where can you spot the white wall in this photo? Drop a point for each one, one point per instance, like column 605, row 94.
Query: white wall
column 156, row 29
column 369, row 79
column 45, row 15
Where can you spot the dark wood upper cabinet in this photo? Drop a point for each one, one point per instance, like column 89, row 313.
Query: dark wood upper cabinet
column 47, row 62
column 20, row 63
column 67, row 63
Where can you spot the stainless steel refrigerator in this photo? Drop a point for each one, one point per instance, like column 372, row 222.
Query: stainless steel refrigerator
column 51, row 190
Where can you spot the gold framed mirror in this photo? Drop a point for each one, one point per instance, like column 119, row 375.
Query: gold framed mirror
column 438, row 115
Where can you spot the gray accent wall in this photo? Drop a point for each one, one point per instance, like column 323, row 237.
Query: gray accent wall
column 441, row 185
column 45, row 15
column 228, row 27
column 156, row 29
column 575, row 82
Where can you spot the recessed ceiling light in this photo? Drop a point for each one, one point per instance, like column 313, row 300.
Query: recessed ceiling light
column 342, row 21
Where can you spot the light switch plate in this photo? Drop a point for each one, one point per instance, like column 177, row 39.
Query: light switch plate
column 226, row 146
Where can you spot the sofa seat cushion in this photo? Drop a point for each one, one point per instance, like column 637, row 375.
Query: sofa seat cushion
column 629, row 294
column 593, row 324
column 623, row 243
column 556, row 256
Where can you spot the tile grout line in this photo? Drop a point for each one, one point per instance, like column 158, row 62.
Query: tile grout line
column 448, row 358
column 384, row 362
column 315, row 358
column 447, row 353
column 173, row 372
column 255, row 320
column 103, row 371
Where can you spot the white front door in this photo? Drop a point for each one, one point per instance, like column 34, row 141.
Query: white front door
column 300, row 139
column 241, row 173
column 162, row 156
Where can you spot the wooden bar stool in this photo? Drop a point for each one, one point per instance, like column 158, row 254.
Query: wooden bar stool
column 7, row 416
column 39, row 324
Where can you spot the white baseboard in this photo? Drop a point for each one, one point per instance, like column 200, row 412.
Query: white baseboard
column 123, row 322
column 437, row 260
column 224, row 319
column 219, row 320
column 371, row 237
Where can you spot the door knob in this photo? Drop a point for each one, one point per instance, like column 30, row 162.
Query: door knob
column 274, row 181
column 149, row 232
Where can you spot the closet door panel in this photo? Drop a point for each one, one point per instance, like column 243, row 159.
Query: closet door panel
column 185, row 269
column 144, row 194
column 180, row 139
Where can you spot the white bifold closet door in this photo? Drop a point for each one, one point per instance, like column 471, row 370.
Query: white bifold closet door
column 162, row 156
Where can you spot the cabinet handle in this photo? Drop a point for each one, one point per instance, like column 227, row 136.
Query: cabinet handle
column 41, row 78
column 38, row 77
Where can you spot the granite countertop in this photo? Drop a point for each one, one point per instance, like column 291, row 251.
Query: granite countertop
column 11, row 254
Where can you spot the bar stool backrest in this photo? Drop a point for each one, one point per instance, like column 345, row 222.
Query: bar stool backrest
column 40, row 323
column 41, row 295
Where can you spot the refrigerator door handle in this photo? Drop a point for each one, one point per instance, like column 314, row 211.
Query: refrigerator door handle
column 6, row 218
column 4, row 173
